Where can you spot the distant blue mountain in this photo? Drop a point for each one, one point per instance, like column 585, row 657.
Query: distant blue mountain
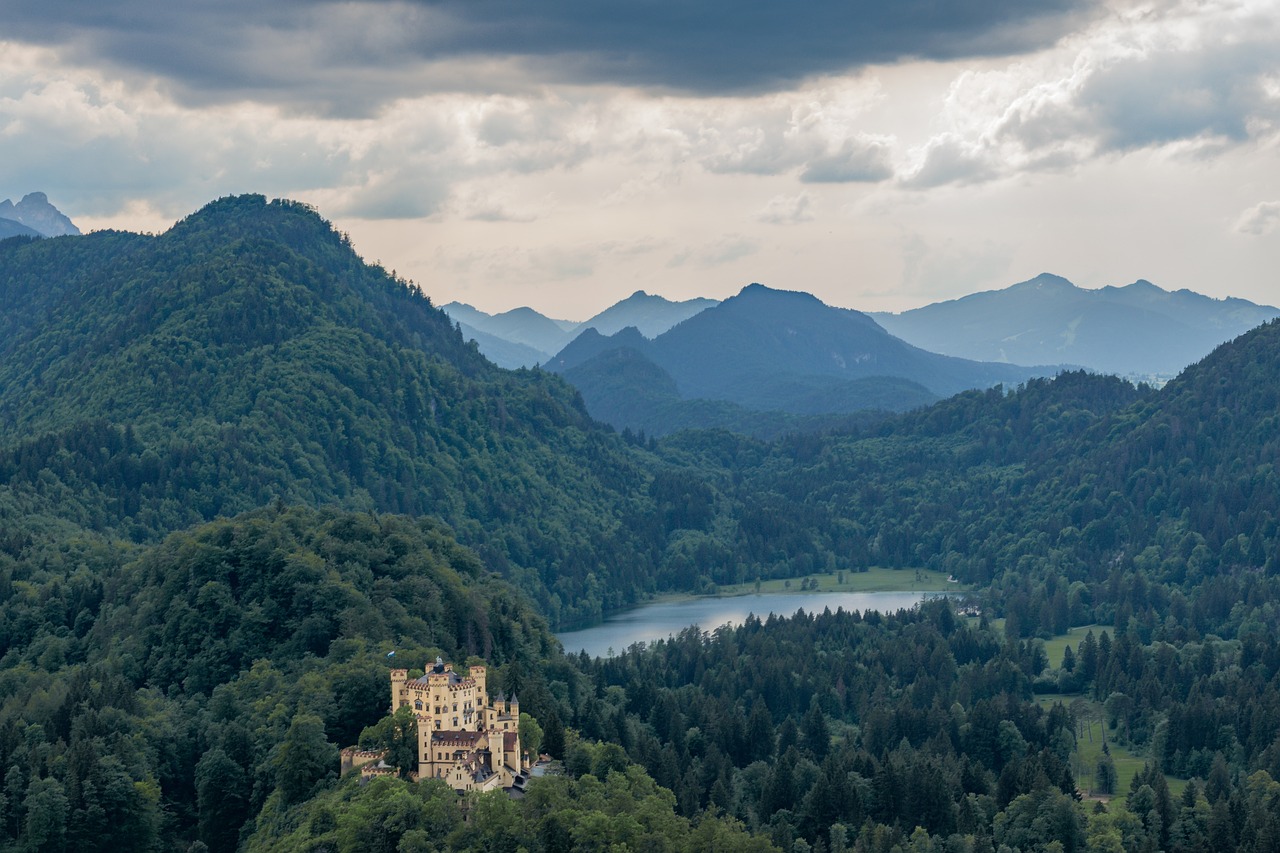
column 1136, row 330
column 649, row 315
column 37, row 214
column 771, row 350
column 538, row 338
column 14, row 228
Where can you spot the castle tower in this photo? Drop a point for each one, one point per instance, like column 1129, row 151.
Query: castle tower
column 398, row 695
column 495, row 750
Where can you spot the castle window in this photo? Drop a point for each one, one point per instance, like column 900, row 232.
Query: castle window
column 417, row 705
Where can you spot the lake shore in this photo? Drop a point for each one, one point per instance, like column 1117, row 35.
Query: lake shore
column 875, row 579
column 661, row 618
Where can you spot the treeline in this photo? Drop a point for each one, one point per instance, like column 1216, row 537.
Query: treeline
column 148, row 384
column 919, row 731
column 248, row 355
column 158, row 699
column 615, row 805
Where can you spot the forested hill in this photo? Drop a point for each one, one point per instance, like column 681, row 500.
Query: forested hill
column 1072, row 500
column 148, row 384
column 126, row 327
column 248, row 354
column 162, row 688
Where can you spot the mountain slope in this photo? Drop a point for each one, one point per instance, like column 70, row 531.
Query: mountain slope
column 651, row 315
column 524, row 326
column 768, row 349
column 1138, row 329
column 248, row 355
column 500, row 351
column 14, row 228
column 622, row 387
column 522, row 337
column 35, row 212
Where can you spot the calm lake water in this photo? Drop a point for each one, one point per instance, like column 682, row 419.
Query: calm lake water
column 664, row 619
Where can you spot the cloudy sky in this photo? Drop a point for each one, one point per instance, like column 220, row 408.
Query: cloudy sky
column 565, row 153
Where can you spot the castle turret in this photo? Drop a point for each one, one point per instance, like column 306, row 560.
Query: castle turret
column 398, row 694
column 478, row 676
column 495, row 750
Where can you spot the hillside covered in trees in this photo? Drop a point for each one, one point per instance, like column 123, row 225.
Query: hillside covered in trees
column 238, row 466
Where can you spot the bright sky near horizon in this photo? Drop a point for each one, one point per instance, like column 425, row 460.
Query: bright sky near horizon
column 566, row 153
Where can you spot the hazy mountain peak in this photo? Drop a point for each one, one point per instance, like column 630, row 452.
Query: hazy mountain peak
column 1134, row 329
column 1141, row 287
column 35, row 212
column 650, row 314
column 755, row 290
column 1046, row 281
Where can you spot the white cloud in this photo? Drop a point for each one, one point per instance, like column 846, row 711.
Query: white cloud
column 859, row 159
column 787, row 210
column 725, row 250
column 1262, row 218
column 1159, row 118
column 1193, row 79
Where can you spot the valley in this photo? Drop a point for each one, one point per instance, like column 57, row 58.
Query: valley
column 244, row 474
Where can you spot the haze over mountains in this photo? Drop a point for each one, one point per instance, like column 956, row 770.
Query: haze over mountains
column 1137, row 330
column 34, row 216
column 176, row 675
column 767, row 350
column 522, row 337
column 681, row 365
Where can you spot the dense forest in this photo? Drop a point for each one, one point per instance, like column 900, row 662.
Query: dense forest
column 238, row 467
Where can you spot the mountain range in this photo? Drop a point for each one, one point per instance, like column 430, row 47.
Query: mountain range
column 34, row 216
column 764, row 350
column 248, row 354
column 1138, row 330
column 522, row 337
column 205, row 437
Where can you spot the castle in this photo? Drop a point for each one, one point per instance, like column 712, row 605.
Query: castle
column 463, row 738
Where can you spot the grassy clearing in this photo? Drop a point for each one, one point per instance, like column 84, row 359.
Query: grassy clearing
column 1091, row 733
column 876, row 579
column 1054, row 647
column 1089, row 740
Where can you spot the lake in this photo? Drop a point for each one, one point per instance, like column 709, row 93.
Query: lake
column 663, row 619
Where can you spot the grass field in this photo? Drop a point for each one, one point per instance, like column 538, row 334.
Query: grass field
column 873, row 580
column 1055, row 647
column 1089, row 740
column 1091, row 724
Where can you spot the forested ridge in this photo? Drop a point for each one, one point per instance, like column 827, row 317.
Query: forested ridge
column 152, row 383
column 238, row 467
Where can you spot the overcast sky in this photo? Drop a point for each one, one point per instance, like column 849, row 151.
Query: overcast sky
column 563, row 154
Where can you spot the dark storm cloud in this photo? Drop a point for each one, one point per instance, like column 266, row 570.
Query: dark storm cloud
column 350, row 56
